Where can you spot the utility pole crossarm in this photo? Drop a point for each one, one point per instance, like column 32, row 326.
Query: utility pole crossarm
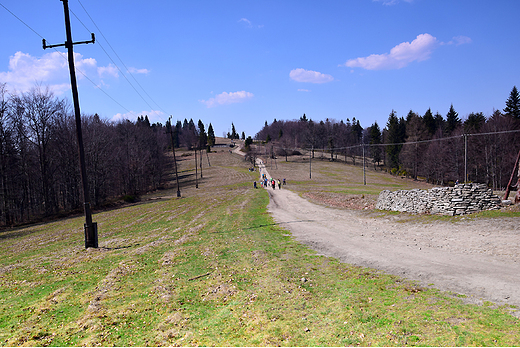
column 93, row 40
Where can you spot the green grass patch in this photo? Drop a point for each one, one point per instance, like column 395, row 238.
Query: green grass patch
column 496, row 214
column 214, row 269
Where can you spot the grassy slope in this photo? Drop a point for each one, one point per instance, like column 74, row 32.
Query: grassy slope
column 213, row 269
column 340, row 185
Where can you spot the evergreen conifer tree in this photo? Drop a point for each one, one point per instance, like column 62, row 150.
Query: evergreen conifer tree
column 211, row 135
column 429, row 122
column 357, row 130
column 513, row 104
column 452, row 120
column 439, row 122
column 474, row 122
column 234, row 134
column 375, row 138
column 396, row 132
column 177, row 131
column 203, row 137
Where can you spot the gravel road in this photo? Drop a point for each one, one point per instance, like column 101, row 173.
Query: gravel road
column 476, row 257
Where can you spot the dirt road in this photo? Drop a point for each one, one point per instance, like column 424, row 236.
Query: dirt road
column 478, row 258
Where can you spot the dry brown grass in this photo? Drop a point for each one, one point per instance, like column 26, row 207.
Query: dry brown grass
column 336, row 183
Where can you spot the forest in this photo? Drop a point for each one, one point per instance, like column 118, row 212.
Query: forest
column 440, row 150
column 39, row 163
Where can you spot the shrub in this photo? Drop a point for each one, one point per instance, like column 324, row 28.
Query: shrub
column 130, row 198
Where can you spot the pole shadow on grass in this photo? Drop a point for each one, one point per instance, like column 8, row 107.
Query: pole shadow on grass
column 105, row 248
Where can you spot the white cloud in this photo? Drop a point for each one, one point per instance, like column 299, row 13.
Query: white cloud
column 303, row 90
column 113, row 71
column 460, row 40
column 400, row 56
column 50, row 69
column 138, row 71
column 81, row 63
column 109, row 70
column 154, row 116
column 246, row 21
column 302, row 75
column 25, row 71
column 225, row 98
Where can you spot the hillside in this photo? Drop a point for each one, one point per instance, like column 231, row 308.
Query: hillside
column 213, row 268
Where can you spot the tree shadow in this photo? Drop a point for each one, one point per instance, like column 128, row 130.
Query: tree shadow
column 265, row 225
column 16, row 233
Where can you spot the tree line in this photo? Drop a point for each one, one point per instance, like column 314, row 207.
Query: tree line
column 188, row 135
column 427, row 146
column 39, row 164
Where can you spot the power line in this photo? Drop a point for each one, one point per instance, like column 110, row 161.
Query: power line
column 122, row 73
column 118, row 57
column 65, row 58
column 15, row 16
column 409, row 142
column 447, row 138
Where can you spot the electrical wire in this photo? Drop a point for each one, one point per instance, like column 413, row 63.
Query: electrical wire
column 15, row 16
column 118, row 57
column 407, row 143
column 122, row 73
column 65, row 58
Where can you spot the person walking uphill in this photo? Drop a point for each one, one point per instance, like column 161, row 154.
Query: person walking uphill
column 279, row 185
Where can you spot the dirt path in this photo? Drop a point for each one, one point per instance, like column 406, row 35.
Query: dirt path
column 478, row 258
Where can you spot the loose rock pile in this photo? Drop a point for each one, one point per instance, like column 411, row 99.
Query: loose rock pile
column 459, row 200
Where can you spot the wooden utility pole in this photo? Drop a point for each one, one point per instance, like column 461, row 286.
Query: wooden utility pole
column 196, row 174
column 465, row 158
column 200, row 162
column 91, row 232
column 509, row 184
column 310, row 162
column 364, row 171
column 174, row 158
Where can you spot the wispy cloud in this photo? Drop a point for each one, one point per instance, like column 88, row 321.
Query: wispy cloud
column 246, row 22
column 392, row 2
column 459, row 40
column 113, row 71
column 302, row 75
column 400, row 56
column 303, row 90
column 138, row 71
column 225, row 98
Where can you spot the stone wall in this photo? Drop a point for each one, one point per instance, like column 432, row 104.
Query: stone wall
column 459, row 200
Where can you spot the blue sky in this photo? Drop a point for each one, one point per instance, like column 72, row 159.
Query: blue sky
column 248, row 62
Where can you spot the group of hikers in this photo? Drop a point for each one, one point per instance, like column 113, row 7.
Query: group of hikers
column 264, row 182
